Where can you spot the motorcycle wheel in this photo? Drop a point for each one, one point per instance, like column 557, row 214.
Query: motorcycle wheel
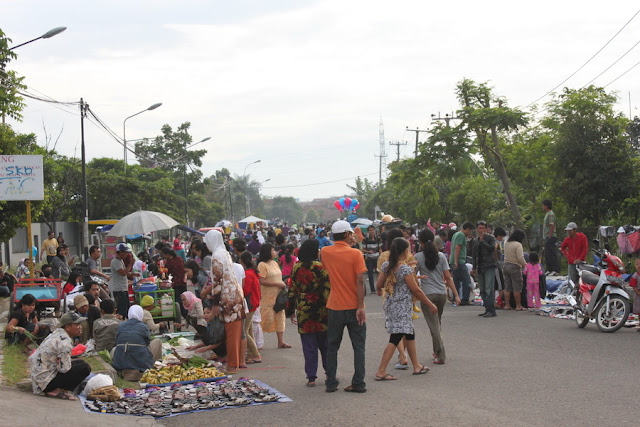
column 619, row 309
column 581, row 320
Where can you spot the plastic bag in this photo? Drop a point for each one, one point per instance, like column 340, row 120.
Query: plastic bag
column 96, row 382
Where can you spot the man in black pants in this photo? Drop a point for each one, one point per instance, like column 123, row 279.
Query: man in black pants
column 371, row 249
column 52, row 371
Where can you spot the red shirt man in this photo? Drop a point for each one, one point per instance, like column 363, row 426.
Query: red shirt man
column 575, row 246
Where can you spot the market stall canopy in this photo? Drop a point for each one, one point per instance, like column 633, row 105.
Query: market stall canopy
column 223, row 223
column 142, row 222
column 362, row 221
column 252, row 218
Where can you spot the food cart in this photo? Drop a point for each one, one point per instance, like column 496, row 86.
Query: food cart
column 47, row 291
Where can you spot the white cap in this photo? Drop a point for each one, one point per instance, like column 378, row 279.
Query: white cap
column 571, row 226
column 341, row 227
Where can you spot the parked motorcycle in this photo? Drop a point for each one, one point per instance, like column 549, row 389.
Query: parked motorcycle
column 600, row 294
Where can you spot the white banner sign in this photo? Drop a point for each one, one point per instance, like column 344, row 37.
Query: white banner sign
column 21, row 177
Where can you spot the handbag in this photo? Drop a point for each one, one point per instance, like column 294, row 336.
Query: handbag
column 281, row 301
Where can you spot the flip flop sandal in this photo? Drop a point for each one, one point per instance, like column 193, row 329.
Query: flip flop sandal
column 386, row 377
column 285, row 345
column 61, row 395
column 438, row 361
column 424, row 370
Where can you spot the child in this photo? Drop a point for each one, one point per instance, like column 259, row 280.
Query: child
column 287, row 260
column 636, row 289
column 533, row 270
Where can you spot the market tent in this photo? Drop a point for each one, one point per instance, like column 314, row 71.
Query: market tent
column 252, row 218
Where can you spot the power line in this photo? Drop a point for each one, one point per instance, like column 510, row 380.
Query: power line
column 616, row 61
column 319, row 183
column 588, row 61
column 634, row 66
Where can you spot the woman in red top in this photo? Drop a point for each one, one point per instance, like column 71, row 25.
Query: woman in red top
column 175, row 267
column 251, row 290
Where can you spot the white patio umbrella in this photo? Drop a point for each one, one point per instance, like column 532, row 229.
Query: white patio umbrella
column 142, row 222
column 361, row 221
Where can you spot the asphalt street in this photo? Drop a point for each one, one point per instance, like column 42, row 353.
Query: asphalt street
column 515, row 369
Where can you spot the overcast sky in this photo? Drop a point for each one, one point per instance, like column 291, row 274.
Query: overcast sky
column 299, row 84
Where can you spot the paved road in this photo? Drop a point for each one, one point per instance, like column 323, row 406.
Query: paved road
column 515, row 369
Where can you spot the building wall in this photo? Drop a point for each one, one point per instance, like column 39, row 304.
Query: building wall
column 16, row 249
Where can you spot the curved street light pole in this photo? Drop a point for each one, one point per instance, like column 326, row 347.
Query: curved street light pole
column 124, row 130
column 47, row 35
column 244, row 176
column 258, row 187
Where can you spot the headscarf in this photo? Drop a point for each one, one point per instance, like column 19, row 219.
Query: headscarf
column 359, row 235
column 135, row 312
column 191, row 299
column 231, row 295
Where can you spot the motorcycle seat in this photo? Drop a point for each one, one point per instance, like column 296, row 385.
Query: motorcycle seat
column 589, row 278
column 590, row 268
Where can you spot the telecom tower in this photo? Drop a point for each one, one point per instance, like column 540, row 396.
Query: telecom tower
column 382, row 155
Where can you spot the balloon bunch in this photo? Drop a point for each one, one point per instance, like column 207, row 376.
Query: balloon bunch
column 346, row 204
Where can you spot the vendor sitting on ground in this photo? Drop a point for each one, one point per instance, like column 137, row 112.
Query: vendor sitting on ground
column 52, row 371
column 88, row 312
column 147, row 304
column 106, row 327
column 24, row 319
column 134, row 349
column 195, row 314
column 214, row 337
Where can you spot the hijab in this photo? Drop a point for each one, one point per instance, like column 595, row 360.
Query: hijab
column 135, row 312
column 191, row 299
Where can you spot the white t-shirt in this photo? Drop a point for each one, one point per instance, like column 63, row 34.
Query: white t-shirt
column 239, row 272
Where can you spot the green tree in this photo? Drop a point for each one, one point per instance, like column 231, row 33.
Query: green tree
column 63, row 190
column 485, row 120
column 365, row 191
column 287, row 209
column 594, row 158
column 312, row 216
column 11, row 103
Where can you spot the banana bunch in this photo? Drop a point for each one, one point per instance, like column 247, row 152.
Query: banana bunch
column 175, row 373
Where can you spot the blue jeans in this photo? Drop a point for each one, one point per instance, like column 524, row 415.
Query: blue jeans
column 486, row 282
column 337, row 320
column 371, row 264
column 462, row 281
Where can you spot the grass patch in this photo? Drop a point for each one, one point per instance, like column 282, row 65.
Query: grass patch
column 95, row 362
column 14, row 367
column 122, row 383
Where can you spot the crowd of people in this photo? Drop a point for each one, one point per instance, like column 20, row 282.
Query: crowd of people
column 232, row 289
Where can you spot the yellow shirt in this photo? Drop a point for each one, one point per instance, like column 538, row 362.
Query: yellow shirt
column 49, row 246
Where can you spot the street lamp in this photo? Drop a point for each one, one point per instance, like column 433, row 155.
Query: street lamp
column 124, row 130
column 4, row 75
column 244, row 176
column 46, row 35
column 184, row 171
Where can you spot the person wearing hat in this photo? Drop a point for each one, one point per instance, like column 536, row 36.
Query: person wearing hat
column 345, row 306
column 52, row 371
column 119, row 283
column 147, row 303
column 574, row 248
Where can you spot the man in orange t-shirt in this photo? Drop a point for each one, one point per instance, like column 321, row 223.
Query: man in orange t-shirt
column 345, row 306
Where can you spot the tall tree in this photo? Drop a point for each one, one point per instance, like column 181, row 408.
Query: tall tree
column 485, row 119
column 287, row 209
column 594, row 157
column 312, row 216
column 11, row 103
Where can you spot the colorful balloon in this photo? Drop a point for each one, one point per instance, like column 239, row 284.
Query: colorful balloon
column 342, row 202
column 357, row 206
column 347, row 203
column 337, row 205
column 354, row 203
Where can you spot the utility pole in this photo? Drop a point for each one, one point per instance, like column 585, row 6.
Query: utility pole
column 447, row 118
column 380, row 170
column 417, row 131
column 398, row 144
column 85, row 197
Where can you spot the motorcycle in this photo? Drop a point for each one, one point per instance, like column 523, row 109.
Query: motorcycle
column 600, row 294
